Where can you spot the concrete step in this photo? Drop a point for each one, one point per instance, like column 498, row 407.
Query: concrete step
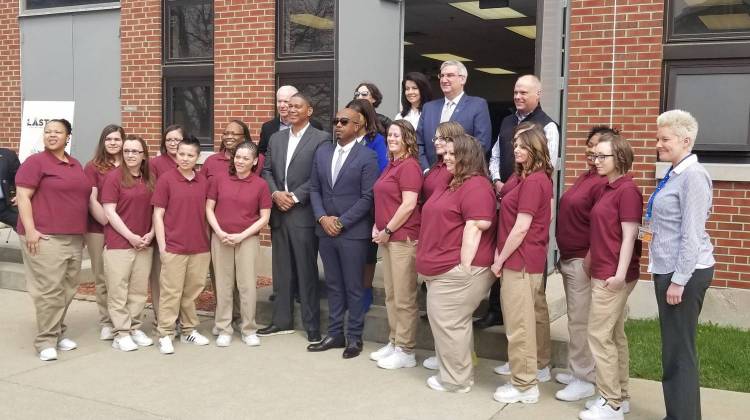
column 12, row 275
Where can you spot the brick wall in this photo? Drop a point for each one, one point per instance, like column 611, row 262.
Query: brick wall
column 244, row 50
column 619, row 83
column 140, row 64
column 10, row 76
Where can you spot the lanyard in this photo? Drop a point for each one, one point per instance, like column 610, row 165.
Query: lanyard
column 662, row 183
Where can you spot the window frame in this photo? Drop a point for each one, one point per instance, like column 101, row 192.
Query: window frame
column 165, row 41
column 103, row 5
column 280, row 55
column 313, row 77
column 671, row 37
column 207, row 143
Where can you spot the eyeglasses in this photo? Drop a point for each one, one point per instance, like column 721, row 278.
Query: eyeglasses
column 448, row 75
column 600, row 157
column 132, row 152
column 362, row 94
column 343, row 121
column 440, row 139
column 590, row 156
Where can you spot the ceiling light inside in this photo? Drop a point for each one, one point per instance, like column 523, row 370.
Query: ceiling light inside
column 494, row 70
column 312, row 21
column 726, row 22
column 529, row 31
column 472, row 7
column 446, row 57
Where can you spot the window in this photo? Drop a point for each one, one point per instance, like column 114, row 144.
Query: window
column 306, row 27
column 46, row 4
column 707, row 73
column 319, row 87
column 188, row 43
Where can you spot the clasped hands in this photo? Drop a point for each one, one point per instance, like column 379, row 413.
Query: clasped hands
column 284, row 200
column 331, row 225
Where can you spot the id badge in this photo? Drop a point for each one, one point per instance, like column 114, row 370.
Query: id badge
column 645, row 233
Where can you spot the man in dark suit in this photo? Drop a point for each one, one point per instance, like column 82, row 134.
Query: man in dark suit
column 341, row 182
column 8, row 167
column 295, row 247
column 281, row 121
column 469, row 111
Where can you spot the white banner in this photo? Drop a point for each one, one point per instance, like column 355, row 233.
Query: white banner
column 35, row 116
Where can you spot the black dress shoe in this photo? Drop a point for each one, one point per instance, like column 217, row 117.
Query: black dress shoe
column 313, row 337
column 272, row 297
column 489, row 320
column 353, row 349
column 327, row 344
column 273, row 330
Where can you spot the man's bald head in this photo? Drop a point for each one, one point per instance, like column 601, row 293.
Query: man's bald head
column 282, row 100
column 526, row 93
column 346, row 125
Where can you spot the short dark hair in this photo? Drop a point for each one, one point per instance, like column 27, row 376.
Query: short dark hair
column 377, row 97
column 621, row 150
column 245, row 132
column 169, row 129
column 305, row 98
column 425, row 91
column 191, row 140
column 64, row 122
column 600, row 129
column 252, row 147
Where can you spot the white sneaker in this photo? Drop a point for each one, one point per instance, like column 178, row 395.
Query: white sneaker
column 431, row 363
column 66, row 344
column 106, row 334
column 251, row 340
column 543, row 375
column 434, row 383
column 601, row 412
column 397, row 360
column 140, row 338
column 223, row 340
column 625, row 406
column 194, row 338
column 576, row 391
column 124, row 343
column 48, row 354
column 215, row 331
column 509, row 394
column 165, row 345
column 564, row 378
column 503, row 369
column 383, row 352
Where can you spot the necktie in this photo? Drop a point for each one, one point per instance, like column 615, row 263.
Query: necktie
column 337, row 166
column 446, row 114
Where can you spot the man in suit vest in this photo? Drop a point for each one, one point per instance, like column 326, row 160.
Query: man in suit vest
column 341, row 182
column 287, row 169
column 8, row 167
column 469, row 111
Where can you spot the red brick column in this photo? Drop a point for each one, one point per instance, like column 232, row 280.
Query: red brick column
column 244, row 51
column 10, row 76
column 140, row 64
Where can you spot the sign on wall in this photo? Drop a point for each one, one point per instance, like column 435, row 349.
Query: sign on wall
column 35, row 115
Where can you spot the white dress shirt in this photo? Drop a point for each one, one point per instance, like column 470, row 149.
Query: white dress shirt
column 448, row 110
column 294, row 139
column 412, row 116
column 346, row 149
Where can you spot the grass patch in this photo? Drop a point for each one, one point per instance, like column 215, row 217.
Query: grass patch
column 724, row 354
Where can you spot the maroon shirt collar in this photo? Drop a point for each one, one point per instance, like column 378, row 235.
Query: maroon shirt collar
column 619, row 182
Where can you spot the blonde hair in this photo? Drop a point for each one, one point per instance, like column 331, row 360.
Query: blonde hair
column 682, row 124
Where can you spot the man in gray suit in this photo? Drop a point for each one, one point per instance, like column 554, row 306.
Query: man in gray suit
column 295, row 246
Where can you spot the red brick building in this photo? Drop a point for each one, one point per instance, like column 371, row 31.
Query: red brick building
column 624, row 62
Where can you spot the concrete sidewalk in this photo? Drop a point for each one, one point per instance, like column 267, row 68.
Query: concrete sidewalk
column 278, row 380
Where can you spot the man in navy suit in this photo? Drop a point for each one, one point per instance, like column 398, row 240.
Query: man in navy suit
column 341, row 182
column 469, row 111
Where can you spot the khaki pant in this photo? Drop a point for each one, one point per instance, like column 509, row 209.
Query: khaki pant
column 543, row 339
column 127, row 286
column 608, row 342
column 52, row 280
column 153, row 281
column 519, row 293
column 182, row 280
column 400, row 278
column 578, row 296
column 452, row 298
column 95, row 245
column 234, row 267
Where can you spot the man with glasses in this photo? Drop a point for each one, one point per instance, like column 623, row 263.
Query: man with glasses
column 469, row 111
column 341, row 181
column 295, row 247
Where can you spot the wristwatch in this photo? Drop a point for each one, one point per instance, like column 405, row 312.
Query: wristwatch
column 388, row 231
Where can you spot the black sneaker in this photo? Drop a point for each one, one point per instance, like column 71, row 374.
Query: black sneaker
column 273, row 330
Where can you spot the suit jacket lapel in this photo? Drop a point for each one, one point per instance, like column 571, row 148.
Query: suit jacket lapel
column 461, row 103
column 282, row 156
column 303, row 142
column 350, row 158
column 327, row 165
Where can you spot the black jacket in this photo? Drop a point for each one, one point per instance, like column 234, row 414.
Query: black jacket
column 9, row 164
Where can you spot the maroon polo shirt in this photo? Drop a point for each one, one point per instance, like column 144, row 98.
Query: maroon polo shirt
column 61, row 198
column 397, row 177
column 444, row 216
column 437, row 179
column 573, row 229
column 239, row 201
column 96, row 179
column 133, row 207
column 532, row 196
column 216, row 164
column 508, row 186
column 184, row 201
column 621, row 201
column 161, row 164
